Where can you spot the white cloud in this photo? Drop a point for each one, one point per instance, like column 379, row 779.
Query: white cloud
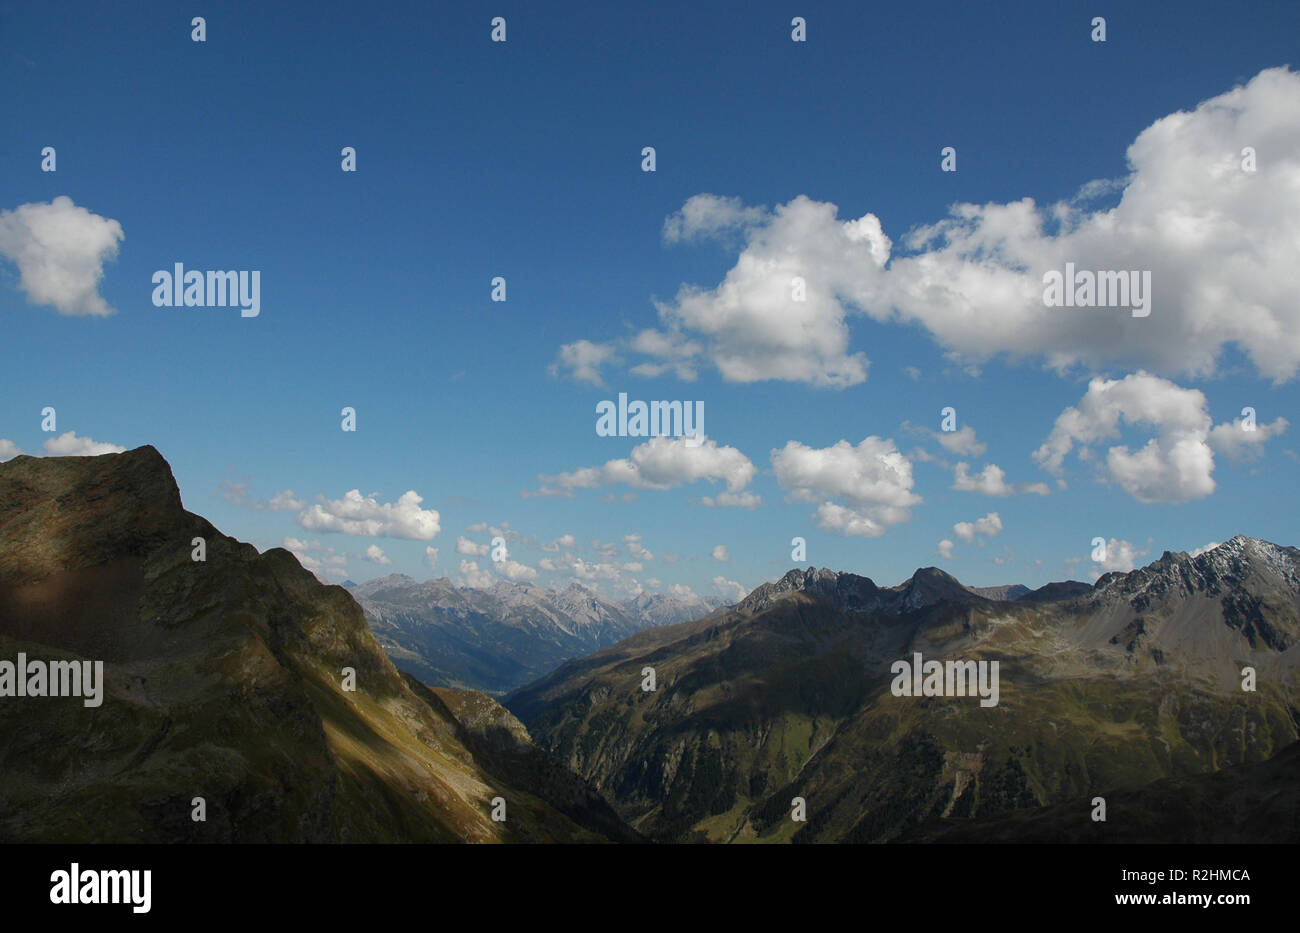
column 944, row 549
column 375, row 554
column 69, row 445
column 672, row 351
column 720, row 553
column 431, row 557
column 1236, row 443
column 636, row 549
column 991, row 481
column 874, row 478
column 8, row 450
column 681, row 589
column 466, row 546
column 728, row 589
column 60, row 250
column 660, row 463
column 1177, row 465
column 472, row 577
column 1206, row 547
column 1218, row 242
column 286, row 501
column 356, row 514
column 582, row 360
column 961, row 442
column 563, row 541
column 707, row 215
column 740, row 500
column 513, row 570
column 751, row 326
column 1120, row 555
column 477, row 527
column 593, row 570
column 989, row 526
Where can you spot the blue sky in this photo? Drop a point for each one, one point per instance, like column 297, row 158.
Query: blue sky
column 522, row 159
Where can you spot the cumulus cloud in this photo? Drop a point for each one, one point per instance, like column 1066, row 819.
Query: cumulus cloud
column 991, row 481
column 728, row 589
column 739, row 500
column 431, row 557
column 60, row 250
column 466, row 546
column 1205, row 547
column 671, row 352
column 582, row 360
column 1177, row 464
column 873, row 478
column 513, row 570
column 356, row 514
column 286, row 501
column 375, row 554
column 1218, row 242
column 989, row 526
column 778, row 313
column 962, row 442
column 8, row 450
column 707, row 215
column 473, row 577
column 563, row 541
column 1236, row 442
column 69, row 445
column 1119, row 555
column 660, row 463
column 720, row 553
column 944, row 549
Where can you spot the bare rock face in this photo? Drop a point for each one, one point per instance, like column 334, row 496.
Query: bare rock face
column 224, row 680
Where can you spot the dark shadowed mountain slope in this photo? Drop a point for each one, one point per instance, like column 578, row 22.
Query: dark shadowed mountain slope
column 1136, row 679
column 1242, row 804
column 224, row 680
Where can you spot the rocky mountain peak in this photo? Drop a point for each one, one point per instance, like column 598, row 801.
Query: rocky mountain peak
column 65, row 513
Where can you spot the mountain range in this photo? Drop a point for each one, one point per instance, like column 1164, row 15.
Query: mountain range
column 246, row 701
column 1105, row 689
column 501, row 637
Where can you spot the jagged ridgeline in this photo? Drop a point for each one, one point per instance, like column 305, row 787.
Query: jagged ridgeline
column 1104, row 690
column 504, row 636
column 223, row 681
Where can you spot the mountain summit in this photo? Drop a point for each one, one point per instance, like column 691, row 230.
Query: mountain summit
column 852, row 593
column 243, row 701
